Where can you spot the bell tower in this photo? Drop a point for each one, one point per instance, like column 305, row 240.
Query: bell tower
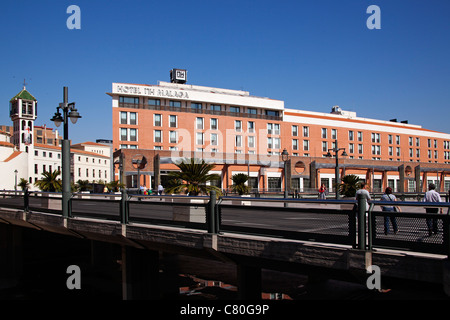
column 23, row 112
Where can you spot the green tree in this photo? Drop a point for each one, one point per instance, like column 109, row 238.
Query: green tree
column 350, row 184
column 192, row 178
column 23, row 184
column 239, row 186
column 49, row 182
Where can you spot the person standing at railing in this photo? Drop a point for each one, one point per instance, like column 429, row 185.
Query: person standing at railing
column 432, row 196
column 388, row 196
column 323, row 192
column 363, row 191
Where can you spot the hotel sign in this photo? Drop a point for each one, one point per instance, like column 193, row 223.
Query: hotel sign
column 206, row 95
column 149, row 91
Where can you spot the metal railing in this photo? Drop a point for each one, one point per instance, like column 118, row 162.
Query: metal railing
column 345, row 222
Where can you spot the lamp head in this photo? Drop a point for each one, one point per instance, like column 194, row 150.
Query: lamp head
column 57, row 119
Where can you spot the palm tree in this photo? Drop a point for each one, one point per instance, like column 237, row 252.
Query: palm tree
column 83, row 185
column 192, row 178
column 49, row 182
column 23, row 184
column 239, row 180
column 114, row 186
column 350, row 183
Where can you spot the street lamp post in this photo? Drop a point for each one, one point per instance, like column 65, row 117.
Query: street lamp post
column 285, row 158
column 15, row 183
column 336, row 169
column 69, row 111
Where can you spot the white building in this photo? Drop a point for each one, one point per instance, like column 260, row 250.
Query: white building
column 21, row 156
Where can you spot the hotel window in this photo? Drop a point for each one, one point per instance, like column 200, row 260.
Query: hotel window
column 360, row 149
column 429, row 143
column 334, row 134
column 87, row 172
column 173, row 138
column 435, row 154
column 123, row 118
column 306, row 131
column 391, row 151
column 435, row 143
column 398, row 151
column 235, row 109
column 276, row 128
column 215, row 107
column 176, row 104
column 238, row 125
column 411, row 151
column 276, row 143
column 214, row 139
column 350, row 135
column 251, row 141
column 295, row 131
column 238, row 141
column 157, row 136
column 199, row 138
column 324, row 133
column 133, row 119
column 306, row 145
column 213, row 123
column 269, row 128
column 199, row 122
column 157, row 120
column 360, row 136
column 251, row 126
column 390, row 139
column 123, row 134
column 172, row 121
column 418, row 153
column 272, row 113
column 429, row 154
column 411, row 141
column 351, row 148
column 269, row 143
column 417, row 142
column 195, row 105
column 251, row 110
column 294, row 144
column 324, row 146
column 129, row 100
column 154, row 102
column 397, row 139
column 375, row 137
column 133, row 134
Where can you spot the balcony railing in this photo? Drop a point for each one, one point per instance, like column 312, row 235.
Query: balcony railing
column 201, row 111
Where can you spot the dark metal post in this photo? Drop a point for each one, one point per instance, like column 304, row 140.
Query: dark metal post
column 66, row 192
column 212, row 218
column 361, row 221
column 26, row 200
column 337, row 178
column 123, row 207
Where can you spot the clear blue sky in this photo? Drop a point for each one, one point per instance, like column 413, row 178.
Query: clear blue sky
column 312, row 54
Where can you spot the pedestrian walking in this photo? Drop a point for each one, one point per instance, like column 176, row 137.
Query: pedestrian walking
column 160, row 189
column 388, row 196
column 363, row 191
column 323, row 192
column 432, row 196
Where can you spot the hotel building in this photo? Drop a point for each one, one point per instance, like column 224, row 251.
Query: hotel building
column 241, row 133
